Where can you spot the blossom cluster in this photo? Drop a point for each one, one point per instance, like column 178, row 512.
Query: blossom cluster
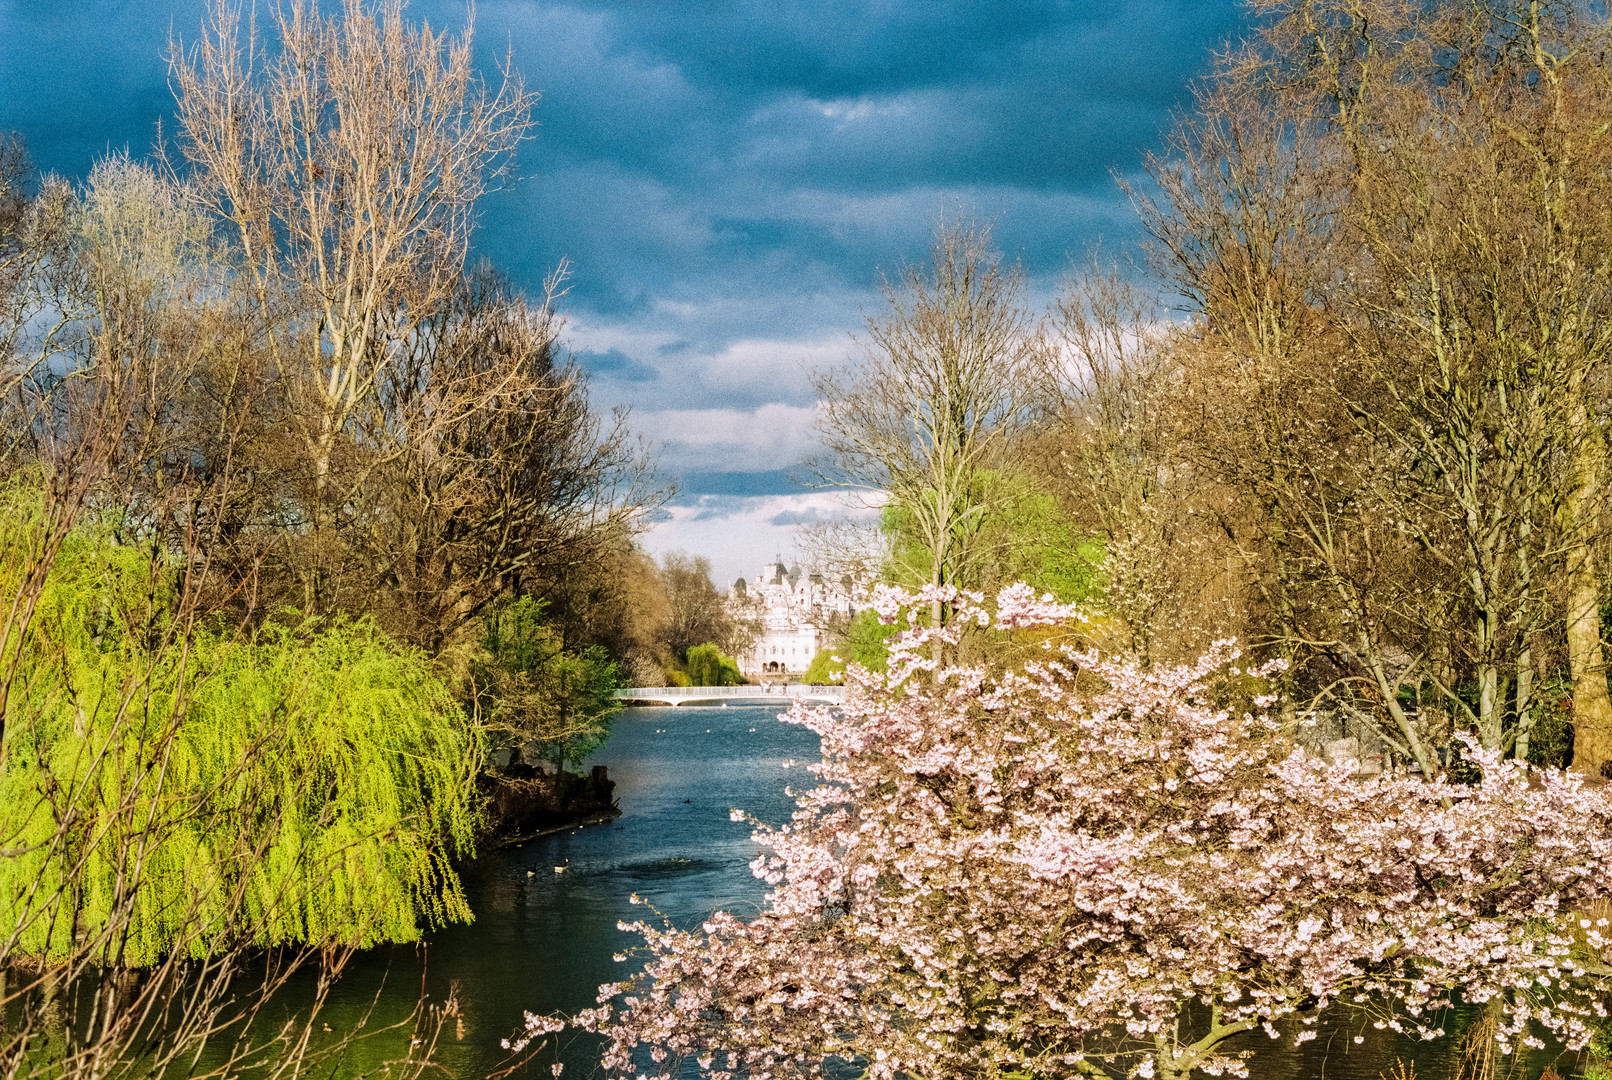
column 1073, row 866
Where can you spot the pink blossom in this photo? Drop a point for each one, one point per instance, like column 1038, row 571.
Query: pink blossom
column 1000, row 871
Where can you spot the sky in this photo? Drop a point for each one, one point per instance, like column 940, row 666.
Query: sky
column 729, row 180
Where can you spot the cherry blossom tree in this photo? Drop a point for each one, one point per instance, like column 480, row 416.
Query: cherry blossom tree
column 1072, row 867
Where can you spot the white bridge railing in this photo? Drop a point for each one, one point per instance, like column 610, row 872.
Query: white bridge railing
column 684, row 695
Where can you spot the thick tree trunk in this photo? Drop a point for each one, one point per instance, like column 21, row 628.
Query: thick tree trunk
column 1592, row 708
column 1489, row 707
column 1525, row 694
column 1586, row 660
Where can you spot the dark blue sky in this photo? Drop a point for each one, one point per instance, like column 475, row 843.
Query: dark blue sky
column 728, row 178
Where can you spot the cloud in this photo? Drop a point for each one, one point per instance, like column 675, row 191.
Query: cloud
column 798, row 517
column 739, row 534
column 80, row 80
column 674, row 140
column 637, row 362
column 728, row 180
column 773, row 437
column 697, row 156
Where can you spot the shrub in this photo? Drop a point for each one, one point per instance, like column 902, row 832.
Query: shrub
column 707, row 666
column 825, row 670
column 526, row 688
column 868, row 640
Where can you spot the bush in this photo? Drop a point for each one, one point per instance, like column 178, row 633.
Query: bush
column 867, row 640
column 528, row 690
column 825, row 670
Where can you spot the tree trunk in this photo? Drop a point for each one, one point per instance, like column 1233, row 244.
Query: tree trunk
column 1525, row 685
column 1586, row 660
column 1592, row 709
column 1490, row 707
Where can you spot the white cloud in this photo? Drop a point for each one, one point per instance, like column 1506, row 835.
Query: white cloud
column 738, row 534
column 781, row 368
column 689, row 372
column 775, row 436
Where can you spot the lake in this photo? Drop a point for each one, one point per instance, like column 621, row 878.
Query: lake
column 544, row 941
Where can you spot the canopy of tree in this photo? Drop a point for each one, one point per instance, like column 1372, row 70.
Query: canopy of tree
column 309, row 784
column 825, row 669
column 1375, row 448
column 1378, row 430
column 529, row 692
column 285, row 480
column 707, row 666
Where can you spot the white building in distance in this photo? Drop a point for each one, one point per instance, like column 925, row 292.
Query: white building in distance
column 794, row 607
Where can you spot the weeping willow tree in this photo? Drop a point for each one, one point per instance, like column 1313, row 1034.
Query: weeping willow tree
column 167, row 787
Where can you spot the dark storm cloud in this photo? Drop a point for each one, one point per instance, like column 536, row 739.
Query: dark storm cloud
column 83, row 77
column 758, row 147
column 728, row 149
column 728, row 179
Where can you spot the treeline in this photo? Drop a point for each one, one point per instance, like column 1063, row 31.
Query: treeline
column 658, row 623
column 1372, row 445
column 302, row 518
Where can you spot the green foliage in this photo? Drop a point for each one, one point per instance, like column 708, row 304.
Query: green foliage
column 1600, row 1045
column 527, row 688
column 1550, row 741
column 1039, row 544
column 1018, row 533
column 866, row 641
column 308, row 786
column 911, row 562
column 707, row 666
column 824, row 669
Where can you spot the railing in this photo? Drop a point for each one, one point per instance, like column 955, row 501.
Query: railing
column 679, row 695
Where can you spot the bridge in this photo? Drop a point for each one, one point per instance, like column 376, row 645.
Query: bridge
column 732, row 695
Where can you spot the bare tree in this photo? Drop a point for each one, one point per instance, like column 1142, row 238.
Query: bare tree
column 33, row 236
column 1384, row 220
column 952, row 371
column 849, row 552
column 103, row 600
column 845, row 547
column 1258, row 422
column 1483, row 299
column 699, row 614
column 617, row 599
column 346, row 164
column 1112, row 452
column 497, row 477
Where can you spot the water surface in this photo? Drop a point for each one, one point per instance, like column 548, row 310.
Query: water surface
column 544, row 940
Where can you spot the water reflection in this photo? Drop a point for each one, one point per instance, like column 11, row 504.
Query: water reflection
column 544, row 938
